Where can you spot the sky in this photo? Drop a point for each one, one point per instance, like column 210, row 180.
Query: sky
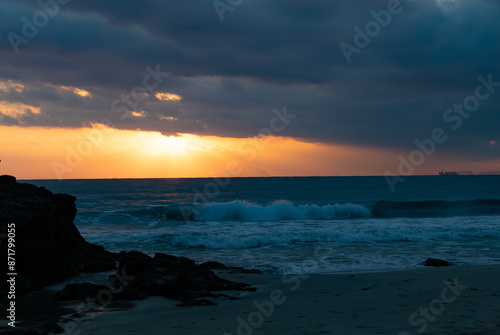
column 163, row 88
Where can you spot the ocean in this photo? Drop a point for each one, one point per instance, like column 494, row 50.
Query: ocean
column 278, row 224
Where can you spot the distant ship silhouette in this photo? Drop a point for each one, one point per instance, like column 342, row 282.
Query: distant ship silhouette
column 443, row 173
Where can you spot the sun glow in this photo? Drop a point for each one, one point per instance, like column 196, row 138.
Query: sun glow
column 102, row 152
column 155, row 143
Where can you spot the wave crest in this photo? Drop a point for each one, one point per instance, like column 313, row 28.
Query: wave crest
column 277, row 211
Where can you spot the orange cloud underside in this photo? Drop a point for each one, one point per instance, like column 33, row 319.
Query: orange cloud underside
column 38, row 153
column 15, row 109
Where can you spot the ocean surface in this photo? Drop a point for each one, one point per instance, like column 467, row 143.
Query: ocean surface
column 295, row 225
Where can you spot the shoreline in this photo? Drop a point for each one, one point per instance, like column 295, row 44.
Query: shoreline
column 398, row 302
column 368, row 303
column 101, row 278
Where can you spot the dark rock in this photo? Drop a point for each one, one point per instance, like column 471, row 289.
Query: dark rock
column 176, row 278
column 79, row 291
column 436, row 262
column 7, row 180
column 48, row 246
column 136, row 262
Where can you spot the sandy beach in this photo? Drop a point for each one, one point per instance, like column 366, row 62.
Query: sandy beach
column 450, row 300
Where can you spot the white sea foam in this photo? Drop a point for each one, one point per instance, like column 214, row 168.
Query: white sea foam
column 245, row 234
column 278, row 246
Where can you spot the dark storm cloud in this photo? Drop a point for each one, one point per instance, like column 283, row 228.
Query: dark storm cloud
column 264, row 54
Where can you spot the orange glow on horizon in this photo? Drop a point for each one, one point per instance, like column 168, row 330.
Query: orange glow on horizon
column 101, row 152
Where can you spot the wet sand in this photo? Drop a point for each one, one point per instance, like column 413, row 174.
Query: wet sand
column 451, row 300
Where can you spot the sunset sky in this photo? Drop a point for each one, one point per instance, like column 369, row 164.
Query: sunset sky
column 163, row 88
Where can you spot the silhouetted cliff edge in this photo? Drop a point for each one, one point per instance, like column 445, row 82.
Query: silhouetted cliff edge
column 48, row 247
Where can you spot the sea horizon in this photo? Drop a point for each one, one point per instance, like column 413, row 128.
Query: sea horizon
column 236, row 177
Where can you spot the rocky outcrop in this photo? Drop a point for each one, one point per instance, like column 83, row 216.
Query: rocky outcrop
column 176, row 278
column 140, row 276
column 48, row 247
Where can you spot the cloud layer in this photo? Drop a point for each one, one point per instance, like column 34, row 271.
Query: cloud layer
column 230, row 74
